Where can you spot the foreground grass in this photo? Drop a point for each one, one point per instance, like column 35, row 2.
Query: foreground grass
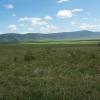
column 49, row 72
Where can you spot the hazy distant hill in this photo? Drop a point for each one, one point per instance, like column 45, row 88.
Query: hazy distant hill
column 77, row 35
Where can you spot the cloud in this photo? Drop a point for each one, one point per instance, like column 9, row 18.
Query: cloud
column 0, row 32
column 67, row 13
column 48, row 18
column 38, row 21
column 73, row 23
column 49, row 29
column 25, row 19
column 61, row 1
column 85, row 18
column 34, row 21
column 14, row 15
column 12, row 28
column 30, row 29
column 22, row 25
column 89, row 26
column 8, row 6
column 64, row 14
column 77, row 10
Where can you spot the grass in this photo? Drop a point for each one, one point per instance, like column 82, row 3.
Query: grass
column 95, row 41
column 49, row 72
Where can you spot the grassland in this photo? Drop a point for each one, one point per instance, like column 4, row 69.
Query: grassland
column 95, row 41
column 49, row 72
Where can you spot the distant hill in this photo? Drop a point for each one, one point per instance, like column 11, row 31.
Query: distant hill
column 77, row 35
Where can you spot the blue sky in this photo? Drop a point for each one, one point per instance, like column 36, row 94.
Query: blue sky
column 49, row 16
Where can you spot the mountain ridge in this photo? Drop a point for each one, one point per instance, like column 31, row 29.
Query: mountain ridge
column 75, row 35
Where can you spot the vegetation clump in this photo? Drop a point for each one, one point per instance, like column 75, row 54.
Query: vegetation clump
column 29, row 56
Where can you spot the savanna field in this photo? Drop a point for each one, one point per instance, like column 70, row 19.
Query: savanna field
column 49, row 72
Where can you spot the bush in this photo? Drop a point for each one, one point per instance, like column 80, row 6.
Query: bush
column 28, row 56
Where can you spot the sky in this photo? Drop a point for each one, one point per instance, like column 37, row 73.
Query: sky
column 49, row 16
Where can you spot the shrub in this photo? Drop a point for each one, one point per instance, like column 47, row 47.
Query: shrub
column 29, row 56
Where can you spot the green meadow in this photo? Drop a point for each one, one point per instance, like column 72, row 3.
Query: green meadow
column 50, row 71
column 62, row 42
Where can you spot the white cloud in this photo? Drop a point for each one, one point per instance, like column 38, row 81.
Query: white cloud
column 85, row 18
column 22, row 25
column 0, row 32
column 49, row 29
column 13, row 15
column 77, row 10
column 30, row 29
column 24, row 19
column 89, row 26
column 67, row 13
column 29, row 18
column 38, row 21
column 12, row 28
column 8, row 6
column 64, row 14
column 73, row 23
column 48, row 18
column 61, row 1
column 34, row 20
